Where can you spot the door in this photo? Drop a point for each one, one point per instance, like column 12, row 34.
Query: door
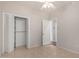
column 55, row 31
column 20, row 35
column 47, row 32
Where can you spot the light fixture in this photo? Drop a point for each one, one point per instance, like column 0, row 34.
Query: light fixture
column 48, row 4
column 47, row 8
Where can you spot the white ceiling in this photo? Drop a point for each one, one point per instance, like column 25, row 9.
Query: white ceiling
column 36, row 5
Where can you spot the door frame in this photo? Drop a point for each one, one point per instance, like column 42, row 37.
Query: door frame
column 49, row 32
column 26, row 33
column 10, row 31
column 55, row 24
column 28, row 29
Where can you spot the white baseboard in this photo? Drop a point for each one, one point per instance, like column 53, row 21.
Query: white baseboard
column 70, row 50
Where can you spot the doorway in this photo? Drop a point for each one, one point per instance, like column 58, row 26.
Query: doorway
column 20, row 32
column 49, row 32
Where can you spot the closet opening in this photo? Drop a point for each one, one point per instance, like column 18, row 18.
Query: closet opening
column 20, row 32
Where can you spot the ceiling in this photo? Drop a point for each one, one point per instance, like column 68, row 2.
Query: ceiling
column 36, row 5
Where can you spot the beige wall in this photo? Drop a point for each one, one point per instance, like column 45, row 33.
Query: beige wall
column 1, row 32
column 19, row 8
column 1, row 28
column 68, row 21
column 68, row 28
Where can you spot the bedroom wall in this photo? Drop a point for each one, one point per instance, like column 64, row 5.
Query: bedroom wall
column 1, row 32
column 1, row 29
column 68, row 28
column 19, row 8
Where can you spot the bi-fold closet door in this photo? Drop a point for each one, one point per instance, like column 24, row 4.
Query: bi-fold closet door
column 20, row 32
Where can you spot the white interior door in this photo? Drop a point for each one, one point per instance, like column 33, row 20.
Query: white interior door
column 55, row 31
column 20, row 32
column 47, row 32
